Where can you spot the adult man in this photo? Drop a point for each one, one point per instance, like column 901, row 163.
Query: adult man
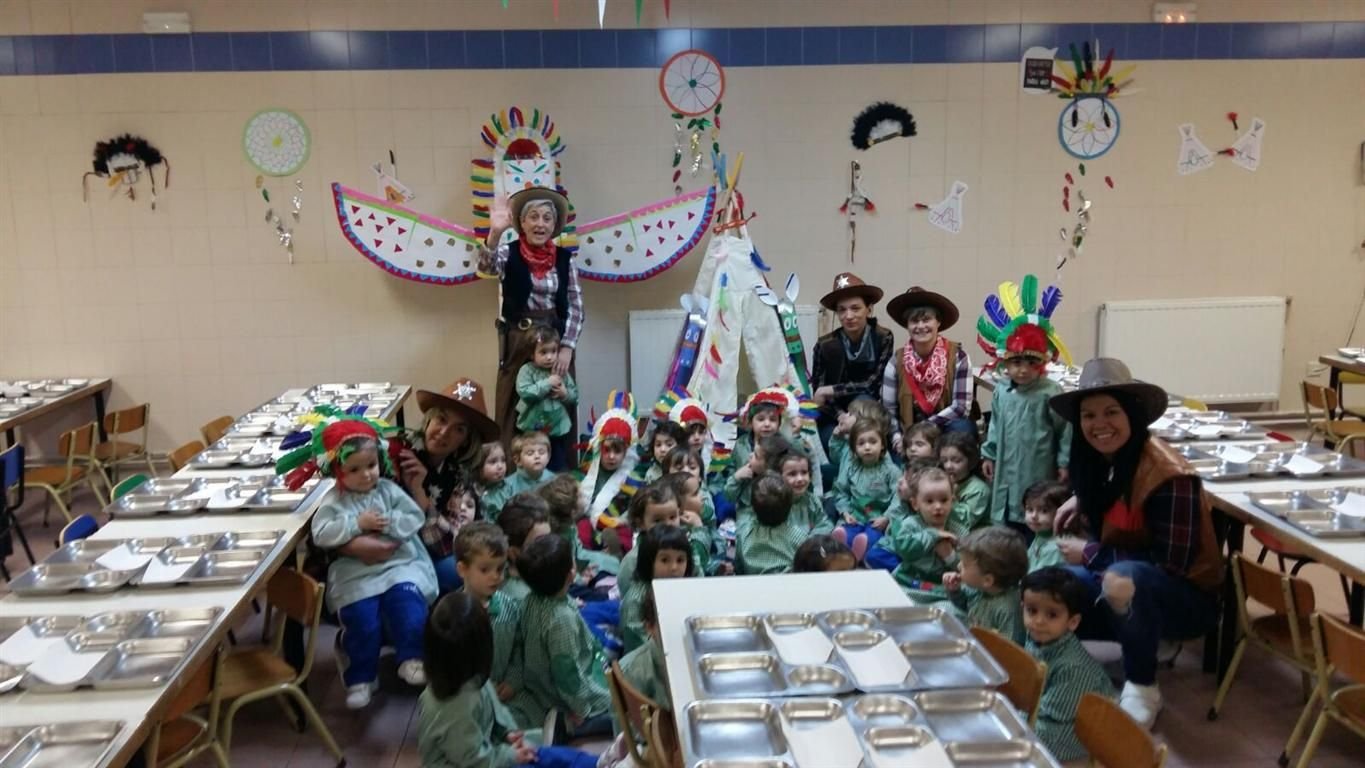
column 849, row 360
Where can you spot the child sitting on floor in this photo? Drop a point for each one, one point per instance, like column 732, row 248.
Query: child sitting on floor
column 481, row 560
column 687, row 489
column 531, row 452
column 1054, row 599
column 667, row 438
column 866, row 484
column 823, row 552
column 1041, row 502
column 562, row 662
column 665, row 553
column 544, row 397
column 655, row 504
column 523, row 521
column 683, row 459
column 493, row 486
column 766, row 537
column 992, row 560
column 920, row 441
column 642, row 669
column 611, row 460
column 925, row 548
column 771, row 412
column 562, row 495
column 960, row 457
column 795, row 467
column 438, row 534
column 460, row 722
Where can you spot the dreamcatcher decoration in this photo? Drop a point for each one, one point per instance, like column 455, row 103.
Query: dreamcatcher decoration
column 1017, row 312
column 857, row 202
column 1089, row 124
column 881, row 122
column 122, row 161
column 692, row 83
column 276, row 142
column 1195, row 156
column 947, row 213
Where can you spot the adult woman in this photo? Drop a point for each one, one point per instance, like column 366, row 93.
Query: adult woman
column 929, row 377
column 1150, row 549
column 539, row 286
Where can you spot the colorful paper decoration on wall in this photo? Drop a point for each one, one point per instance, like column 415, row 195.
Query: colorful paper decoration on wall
column 390, row 188
column 1035, row 70
column 1089, row 124
column 1195, row 156
column 1074, row 239
column 1246, row 151
column 881, row 122
column 857, row 202
column 276, row 142
column 1017, row 305
column 785, row 305
column 121, row 161
column 946, row 214
column 521, row 154
column 692, row 83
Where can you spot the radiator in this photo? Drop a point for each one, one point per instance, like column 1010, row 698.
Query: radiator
column 1215, row 350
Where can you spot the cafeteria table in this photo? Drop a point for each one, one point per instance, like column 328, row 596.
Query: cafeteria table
column 95, row 389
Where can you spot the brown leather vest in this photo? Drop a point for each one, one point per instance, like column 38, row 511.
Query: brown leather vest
column 906, row 398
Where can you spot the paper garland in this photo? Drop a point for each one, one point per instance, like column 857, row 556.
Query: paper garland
column 276, row 142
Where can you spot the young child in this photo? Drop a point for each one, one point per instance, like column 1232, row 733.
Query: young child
column 611, row 460
column 768, row 413
column 1027, row 442
column 794, row 465
column 960, row 457
column 1041, row 502
column 531, row 452
column 687, row 489
column 866, row 484
column 655, row 504
column 919, row 442
column 665, row 553
column 481, row 560
column 522, row 521
column 493, row 485
column 823, row 552
column 925, row 548
column 1054, row 599
column 882, row 555
column 460, row 721
column 562, row 662
column 684, row 459
column 462, row 508
column 667, row 437
column 644, row 669
column 368, row 598
column 766, row 536
column 562, row 495
column 544, row 397
column 991, row 561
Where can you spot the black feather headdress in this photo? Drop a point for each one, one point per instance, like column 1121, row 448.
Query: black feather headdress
column 880, row 122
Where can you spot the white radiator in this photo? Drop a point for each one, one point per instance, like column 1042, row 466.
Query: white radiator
column 1214, row 350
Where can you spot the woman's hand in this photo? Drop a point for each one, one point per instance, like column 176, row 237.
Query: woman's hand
column 564, row 360
column 1072, row 549
column 824, row 394
column 1063, row 476
column 499, row 220
column 988, row 469
column 505, row 694
column 369, row 549
column 413, row 472
column 1065, row 517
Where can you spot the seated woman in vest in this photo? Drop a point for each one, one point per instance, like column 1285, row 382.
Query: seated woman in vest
column 929, row 378
column 849, row 360
column 539, row 286
column 1150, row 549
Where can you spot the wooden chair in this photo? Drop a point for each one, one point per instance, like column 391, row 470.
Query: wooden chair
column 1114, row 739
column 1349, row 379
column 77, row 447
column 1338, row 432
column 1283, row 633
column 1340, row 650
column 1193, row 404
column 213, row 431
column 633, row 712
column 11, row 499
column 253, row 674
column 1026, row 674
column 183, row 736
column 663, row 740
column 182, row 455
column 113, row 452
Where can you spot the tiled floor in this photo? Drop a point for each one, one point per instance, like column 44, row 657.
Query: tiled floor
column 1259, row 714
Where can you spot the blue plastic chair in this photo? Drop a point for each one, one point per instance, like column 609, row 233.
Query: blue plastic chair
column 80, row 528
column 11, row 479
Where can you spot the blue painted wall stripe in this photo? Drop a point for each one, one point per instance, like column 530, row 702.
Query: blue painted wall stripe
column 650, row 48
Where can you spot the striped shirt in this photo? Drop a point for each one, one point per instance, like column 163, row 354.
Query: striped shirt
column 1002, row 612
column 766, row 548
column 1071, row 673
column 505, row 615
column 960, row 407
column 542, row 290
column 562, row 664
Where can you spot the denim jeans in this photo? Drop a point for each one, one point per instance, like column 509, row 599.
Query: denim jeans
column 1164, row 607
column 447, row 578
column 399, row 614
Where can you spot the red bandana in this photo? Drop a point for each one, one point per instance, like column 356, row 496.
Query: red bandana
column 927, row 377
column 539, row 259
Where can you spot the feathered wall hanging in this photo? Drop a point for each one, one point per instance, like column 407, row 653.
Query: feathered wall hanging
column 880, row 122
column 122, row 160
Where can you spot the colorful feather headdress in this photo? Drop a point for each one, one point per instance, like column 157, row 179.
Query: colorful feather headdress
column 323, row 447
column 678, row 406
column 617, row 421
column 1011, row 316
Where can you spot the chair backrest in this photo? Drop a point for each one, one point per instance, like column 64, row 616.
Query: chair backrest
column 634, row 711
column 182, row 455
column 197, row 688
column 214, row 430
column 12, row 476
column 80, row 528
column 1280, row 592
column 1193, row 404
column 299, row 597
column 1340, row 645
column 1114, row 739
column 127, row 484
column 127, row 420
column 664, row 749
column 1027, row 675
column 78, row 442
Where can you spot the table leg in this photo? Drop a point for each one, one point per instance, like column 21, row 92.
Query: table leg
column 99, row 416
column 9, row 439
column 402, row 422
column 1355, row 606
column 1218, row 655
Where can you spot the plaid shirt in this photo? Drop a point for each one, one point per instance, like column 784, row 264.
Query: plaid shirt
column 542, row 290
column 766, row 548
column 1001, row 612
column 962, row 391
column 1071, row 673
column 1172, row 518
column 504, row 613
column 562, row 664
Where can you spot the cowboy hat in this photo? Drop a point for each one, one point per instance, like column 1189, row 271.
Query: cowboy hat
column 1109, row 376
column 848, row 285
column 520, row 199
column 465, row 397
column 915, row 296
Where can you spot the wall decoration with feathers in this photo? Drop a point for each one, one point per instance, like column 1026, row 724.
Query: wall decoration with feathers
column 122, row 160
column 880, row 122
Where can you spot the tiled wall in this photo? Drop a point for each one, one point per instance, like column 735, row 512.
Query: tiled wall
column 195, row 309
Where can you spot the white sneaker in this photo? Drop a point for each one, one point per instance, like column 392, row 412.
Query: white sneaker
column 358, row 696
column 1141, row 702
column 412, row 672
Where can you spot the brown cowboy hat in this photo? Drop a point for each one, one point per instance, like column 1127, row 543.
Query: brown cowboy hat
column 899, row 307
column 1107, row 375
column 848, row 285
column 520, row 199
column 465, row 397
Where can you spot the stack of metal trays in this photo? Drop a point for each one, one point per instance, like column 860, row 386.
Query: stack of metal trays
column 236, row 451
column 1327, row 513
column 1357, row 353
column 802, row 654
column 1298, row 460
column 280, row 416
column 61, row 745
column 127, row 649
column 930, row 729
column 106, row 565
column 19, row 396
column 186, row 496
column 1181, row 425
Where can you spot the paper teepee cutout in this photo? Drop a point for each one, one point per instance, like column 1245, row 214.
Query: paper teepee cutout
column 1194, row 156
column 1246, row 151
column 947, row 213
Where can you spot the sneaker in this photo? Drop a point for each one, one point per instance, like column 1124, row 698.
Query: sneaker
column 412, row 672
column 358, row 696
column 1141, row 702
column 859, row 547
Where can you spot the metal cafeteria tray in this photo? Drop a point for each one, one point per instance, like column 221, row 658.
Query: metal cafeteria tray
column 60, row 578
column 218, row 458
column 62, row 745
column 749, row 674
column 141, row 663
column 208, row 558
column 209, row 495
column 1315, row 516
